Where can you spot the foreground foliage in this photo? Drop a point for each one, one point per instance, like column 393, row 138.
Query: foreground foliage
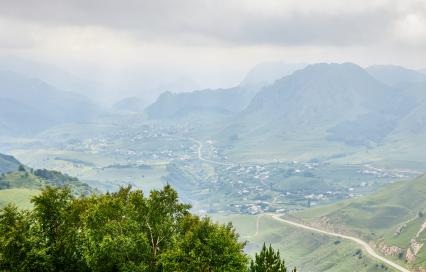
column 122, row 231
column 268, row 261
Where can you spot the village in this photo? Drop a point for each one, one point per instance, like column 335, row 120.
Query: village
column 219, row 184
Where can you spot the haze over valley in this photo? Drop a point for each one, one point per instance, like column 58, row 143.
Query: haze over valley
column 299, row 134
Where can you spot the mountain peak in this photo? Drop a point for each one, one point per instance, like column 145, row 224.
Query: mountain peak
column 267, row 72
column 325, row 96
column 332, row 69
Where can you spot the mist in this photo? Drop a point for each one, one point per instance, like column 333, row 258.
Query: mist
column 163, row 46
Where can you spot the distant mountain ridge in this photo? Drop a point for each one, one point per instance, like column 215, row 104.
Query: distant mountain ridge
column 396, row 76
column 48, row 73
column 8, row 163
column 341, row 99
column 31, row 105
column 341, row 102
column 221, row 101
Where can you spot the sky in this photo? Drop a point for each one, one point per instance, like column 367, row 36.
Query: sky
column 137, row 47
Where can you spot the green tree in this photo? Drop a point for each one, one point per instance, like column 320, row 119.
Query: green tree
column 268, row 261
column 21, row 168
column 14, row 227
column 121, row 231
column 205, row 246
column 58, row 228
column 127, row 231
column 160, row 219
column 20, row 248
column 113, row 239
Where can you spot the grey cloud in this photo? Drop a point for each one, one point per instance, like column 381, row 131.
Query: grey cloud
column 13, row 36
column 313, row 29
column 198, row 21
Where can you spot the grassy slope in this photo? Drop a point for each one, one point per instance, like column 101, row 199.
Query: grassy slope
column 18, row 187
column 22, row 180
column 23, row 186
column 20, row 196
column 379, row 212
column 378, row 216
column 98, row 176
column 306, row 250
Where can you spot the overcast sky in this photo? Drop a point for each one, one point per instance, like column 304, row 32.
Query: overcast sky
column 208, row 43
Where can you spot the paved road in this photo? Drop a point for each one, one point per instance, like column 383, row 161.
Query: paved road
column 360, row 242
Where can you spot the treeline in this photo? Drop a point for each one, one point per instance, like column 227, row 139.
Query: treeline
column 121, row 231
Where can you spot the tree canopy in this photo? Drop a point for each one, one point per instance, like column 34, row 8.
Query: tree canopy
column 121, row 231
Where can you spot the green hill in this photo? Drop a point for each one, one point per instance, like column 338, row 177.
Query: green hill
column 37, row 179
column 392, row 219
column 304, row 249
column 19, row 186
column 18, row 183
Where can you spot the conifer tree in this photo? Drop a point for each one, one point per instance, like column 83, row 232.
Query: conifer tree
column 268, row 261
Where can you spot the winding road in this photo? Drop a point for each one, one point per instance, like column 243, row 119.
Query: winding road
column 200, row 154
column 360, row 242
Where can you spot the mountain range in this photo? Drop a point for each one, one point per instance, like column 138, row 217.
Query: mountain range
column 48, row 73
column 323, row 94
column 223, row 102
column 341, row 102
column 322, row 104
column 29, row 105
column 343, row 105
